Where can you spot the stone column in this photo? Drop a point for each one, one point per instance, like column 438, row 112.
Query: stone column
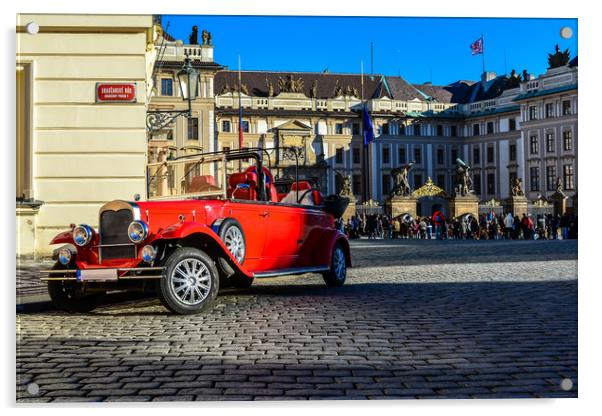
column 559, row 200
column 460, row 205
column 518, row 205
column 399, row 205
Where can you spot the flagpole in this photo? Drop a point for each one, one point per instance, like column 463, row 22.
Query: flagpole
column 364, row 147
column 240, row 132
column 483, row 51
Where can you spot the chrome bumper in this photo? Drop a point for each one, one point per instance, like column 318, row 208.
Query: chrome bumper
column 110, row 275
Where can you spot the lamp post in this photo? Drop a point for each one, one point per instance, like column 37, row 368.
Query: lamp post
column 188, row 79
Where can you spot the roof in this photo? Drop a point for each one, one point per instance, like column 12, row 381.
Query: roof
column 326, row 83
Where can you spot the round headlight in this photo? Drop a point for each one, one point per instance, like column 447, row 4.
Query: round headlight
column 65, row 255
column 82, row 234
column 138, row 231
column 149, row 253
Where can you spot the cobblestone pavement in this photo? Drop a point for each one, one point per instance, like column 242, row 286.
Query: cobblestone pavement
column 416, row 319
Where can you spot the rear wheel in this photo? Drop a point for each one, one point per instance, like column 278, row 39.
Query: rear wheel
column 191, row 282
column 68, row 295
column 337, row 273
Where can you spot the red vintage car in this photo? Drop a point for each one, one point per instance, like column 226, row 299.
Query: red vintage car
column 224, row 228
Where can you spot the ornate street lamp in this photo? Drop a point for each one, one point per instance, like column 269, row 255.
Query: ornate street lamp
column 188, row 79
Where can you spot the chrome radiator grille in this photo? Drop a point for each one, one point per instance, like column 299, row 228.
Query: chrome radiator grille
column 114, row 240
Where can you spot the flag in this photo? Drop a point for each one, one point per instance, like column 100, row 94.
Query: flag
column 477, row 46
column 368, row 127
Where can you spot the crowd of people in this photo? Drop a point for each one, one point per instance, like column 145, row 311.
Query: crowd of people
column 485, row 227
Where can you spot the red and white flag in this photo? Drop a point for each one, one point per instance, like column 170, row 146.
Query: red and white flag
column 477, row 46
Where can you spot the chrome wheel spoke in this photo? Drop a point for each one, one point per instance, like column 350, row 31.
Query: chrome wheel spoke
column 190, row 281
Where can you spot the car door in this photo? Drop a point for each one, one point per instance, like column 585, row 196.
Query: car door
column 252, row 217
column 283, row 239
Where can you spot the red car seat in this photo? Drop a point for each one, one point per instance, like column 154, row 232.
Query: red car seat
column 202, row 183
column 243, row 185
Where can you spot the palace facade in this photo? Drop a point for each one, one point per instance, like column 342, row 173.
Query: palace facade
column 504, row 127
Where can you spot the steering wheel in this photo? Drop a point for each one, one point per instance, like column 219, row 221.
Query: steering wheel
column 303, row 195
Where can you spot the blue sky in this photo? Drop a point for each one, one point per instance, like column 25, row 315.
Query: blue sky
column 420, row 49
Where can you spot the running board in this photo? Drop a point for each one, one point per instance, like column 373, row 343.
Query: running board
column 298, row 270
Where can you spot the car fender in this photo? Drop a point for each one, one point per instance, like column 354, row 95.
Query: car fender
column 64, row 237
column 188, row 230
column 331, row 237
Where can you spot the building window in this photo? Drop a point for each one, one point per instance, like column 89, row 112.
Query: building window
column 386, row 181
column 454, row 131
column 226, row 149
column 417, row 155
column 476, row 155
column 193, row 128
column 549, row 110
column 226, row 126
column 476, row 183
column 566, row 108
column 490, row 183
column 385, row 128
column 532, row 112
column 512, row 152
column 567, row 140
column 24, row 188
column 490, row 154
column 440, row 156
column 402, row 154
column 402, row 130
column 490, row 127
column 356, row 184
column 439, row 130
column 386, row 155
column 245, row 126
column 356, row 155
column 167, row 86
column 355, row 128
column 534, row 145
column 569, row 180
column 534, row 174
column 454, row 155
column 338, row 128
column 551, row 177
column 339, row 156
column 441, row 181
column 475, row 129
column 417, row 180
column 416, row 129
column 550, row 142
column 512, row 124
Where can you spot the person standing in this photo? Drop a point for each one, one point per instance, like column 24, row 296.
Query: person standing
column 509, row 225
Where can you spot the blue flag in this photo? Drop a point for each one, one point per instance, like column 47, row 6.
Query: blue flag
column 367, row 127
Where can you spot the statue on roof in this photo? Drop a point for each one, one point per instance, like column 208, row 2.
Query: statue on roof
column 338, row 90
column 290, row 84
column 208, row 38
column 525, row 75
column 513, row 80
column 225, row 89
column 314, row 89
column 193, row 39
column 270, row 88
column 558, row 58
column 204, row 36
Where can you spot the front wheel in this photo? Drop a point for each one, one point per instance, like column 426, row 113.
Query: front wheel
column 336, row 275
column 69, row 297
column 191, row 282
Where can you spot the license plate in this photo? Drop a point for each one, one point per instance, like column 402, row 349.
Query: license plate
column 97, row 275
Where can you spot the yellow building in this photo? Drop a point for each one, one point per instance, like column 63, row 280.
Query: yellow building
column 78, row 147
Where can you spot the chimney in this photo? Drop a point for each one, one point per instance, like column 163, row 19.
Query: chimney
column 487, row 76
